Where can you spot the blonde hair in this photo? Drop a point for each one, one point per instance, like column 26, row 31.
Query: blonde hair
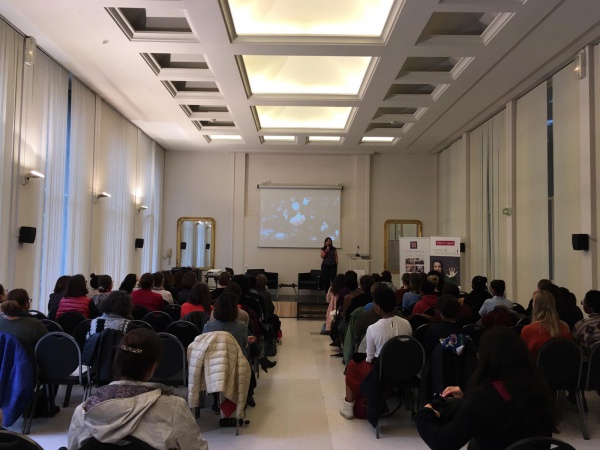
column 544, row 312
column 434, row 279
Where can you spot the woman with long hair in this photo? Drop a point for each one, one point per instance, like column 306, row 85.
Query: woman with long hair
column 129, row 283
column 200, row 300
column 545, row 323
column 330, row 260
column 59, row 291
column 339, row 283
column 76, row 299
column 507, row 400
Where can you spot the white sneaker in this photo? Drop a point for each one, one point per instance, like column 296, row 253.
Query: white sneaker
column 347, row 410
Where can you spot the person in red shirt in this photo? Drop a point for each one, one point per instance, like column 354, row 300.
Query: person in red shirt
column 200, row 300
column 545, row 323
column 145, row 297
column 428, row 299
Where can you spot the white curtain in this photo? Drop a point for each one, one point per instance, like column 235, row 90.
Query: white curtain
column 47, row 131
column 488, row 197
column 80, row 176
column 11, row 63
column 155, row 205
column 200, row 247
column 531, row 211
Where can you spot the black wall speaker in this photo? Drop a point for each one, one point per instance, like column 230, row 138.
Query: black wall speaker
column 580, row 241
column 462, row 247
column 183, row 245
column 139, row 243
column 27, row 235
column 207, row 246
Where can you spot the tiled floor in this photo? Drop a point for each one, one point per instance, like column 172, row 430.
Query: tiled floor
column 297, row 408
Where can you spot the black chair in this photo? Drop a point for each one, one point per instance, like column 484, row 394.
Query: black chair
column 430, row 311
column 419, row 333
column 198, row 318
column 474, row 331
column 518, row 308
column 310, row 280
column 172, row 370
column 10, row 439
column 138, row 312
column 133, row 324
column 185, row 331
column 174, row 311
column 400, row 361
column 560, row 362
column 51, row 325
column 540, row 443
column 58, row 356
column 81, row 331
column 135, row 444
column 518, row 329
column 69, row 320
column 272, row 277
column 524, row 321
column 592, row 379
column 36, row 314
column 159, row 320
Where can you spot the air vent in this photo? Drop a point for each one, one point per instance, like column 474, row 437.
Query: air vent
column 410, row 89
column 428, row 64
column 144, row 24
column 192, row 89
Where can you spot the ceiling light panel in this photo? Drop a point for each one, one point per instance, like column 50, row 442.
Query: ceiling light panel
column 225, row 137
column 279, row 138
column 377, row 139
column 325, row 139
column 303, row 117
column 305, row 75
column 340, row 18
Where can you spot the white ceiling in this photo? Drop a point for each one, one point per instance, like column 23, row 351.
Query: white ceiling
column 219, row 75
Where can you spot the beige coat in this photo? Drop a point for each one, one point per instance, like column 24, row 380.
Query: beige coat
column 217, row 364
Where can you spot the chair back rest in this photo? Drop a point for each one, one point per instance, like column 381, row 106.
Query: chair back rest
column 401, row 359
column 36, row 314
column 524, row 321
column 541, row 443
column 474, row 331
column 10, row 439
column 51, row 325
column 69, row 320
column 183, row 330
column 173, row 360
column 593, row 370
column 81, row 331
column 198, row 318
column 138, row 312
column 421, row 331
column 133, row 324
column 58, row 355
column 158, row 319
column 174, row 311
column 99, row 353
column 559, row 361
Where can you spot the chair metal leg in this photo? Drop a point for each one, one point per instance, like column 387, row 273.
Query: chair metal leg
column 67, row 395
column 584, row 430
column 377, row 431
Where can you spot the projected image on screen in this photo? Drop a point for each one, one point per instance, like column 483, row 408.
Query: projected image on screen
column 299, row 217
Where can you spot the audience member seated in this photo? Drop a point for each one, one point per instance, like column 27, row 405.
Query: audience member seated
column 200, row 300
column 507, row 400
column 414, row 295
column 333, row 299
column 187, row 283
column 404, row 289
column 134, row 407
column 59, row 290
column 478, row 295
column 378, row 334
column 144, row 296
column 2, row 293
column 159, row 288
column 222, row 282
column 129, row 283
column 545, row 323
column 263, row 291
column 352, row 286
column 15, row 320
column 435, row 280
column 364, row 298
column 76, row 299
column 498, row 288
column 449, row 308
column 243, row 316
column 386, row 277
column 428, row 298
column 368, row 317
column 587, row 331
column 105, row 285
column 93, row 291
column 571, row 313
column 169, row 284
column 116, row 310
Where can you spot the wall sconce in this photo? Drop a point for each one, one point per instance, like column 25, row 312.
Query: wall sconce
column 580, row 65
column 32, row 174
column 101, row 195
column 142, row 208
column 30, row 49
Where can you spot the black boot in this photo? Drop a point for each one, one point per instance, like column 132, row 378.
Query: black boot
column 265, row 364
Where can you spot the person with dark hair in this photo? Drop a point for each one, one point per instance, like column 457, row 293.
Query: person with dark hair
column 76, row 299
column 116, row 311
column 353, row 287
column 144, row 296
column 2, row 293
column 187, row 283
column 428, row 299
column 386, row 277
column 378, row 334
column 234, row 288
column 499, row 299
column 105, row 285
column 404, row 289
column 226, row 319
column 376, row 277
column 479, row 294
column 132, row 406
column 15, row 320
column 414, row 295
column 263, row 290
column 507, row 400
column 449, row 277
column 362, row 299
column 333, row 300
column 222, row 283
column 587, row 331
column 129, row 283
column 169, row 284
column 330, row 260
column 93, row 291
column 59, row 290
column 449, row 309
column 200, row 300
column 571, row 314
column 159, row 288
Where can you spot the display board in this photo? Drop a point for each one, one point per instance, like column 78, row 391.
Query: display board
column 432, row 253
column 414, row 255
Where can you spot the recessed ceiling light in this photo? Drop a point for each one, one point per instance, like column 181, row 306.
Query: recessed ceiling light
column 279, row 138
column 324, row 138
column 386, row 139
column 225, row 137
column 316, row 75
column 304, row 117
column 310, row 17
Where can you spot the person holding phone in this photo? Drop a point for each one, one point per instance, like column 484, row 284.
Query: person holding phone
column 330, row 261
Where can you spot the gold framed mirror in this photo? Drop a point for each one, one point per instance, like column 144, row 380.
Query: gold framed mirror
column 196, row 242
column 393, row 230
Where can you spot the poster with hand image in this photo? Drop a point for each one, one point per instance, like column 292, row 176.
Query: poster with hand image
column 444, row 257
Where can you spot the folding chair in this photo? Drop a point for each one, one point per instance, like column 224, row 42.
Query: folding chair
column 51, row 325
column 172, row 370
column 158, row 319
column 133, row 324
column 174, row 311
column 69, row 320
column 540, row 443
column 10, row 439
column 81, row 331
column 185, row 331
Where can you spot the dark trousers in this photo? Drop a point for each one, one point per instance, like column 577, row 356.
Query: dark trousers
column 328, row 273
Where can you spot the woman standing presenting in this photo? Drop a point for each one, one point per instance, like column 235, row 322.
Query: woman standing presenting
column 330, row 261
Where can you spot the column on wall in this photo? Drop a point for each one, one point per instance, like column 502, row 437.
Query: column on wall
column 531, row 210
